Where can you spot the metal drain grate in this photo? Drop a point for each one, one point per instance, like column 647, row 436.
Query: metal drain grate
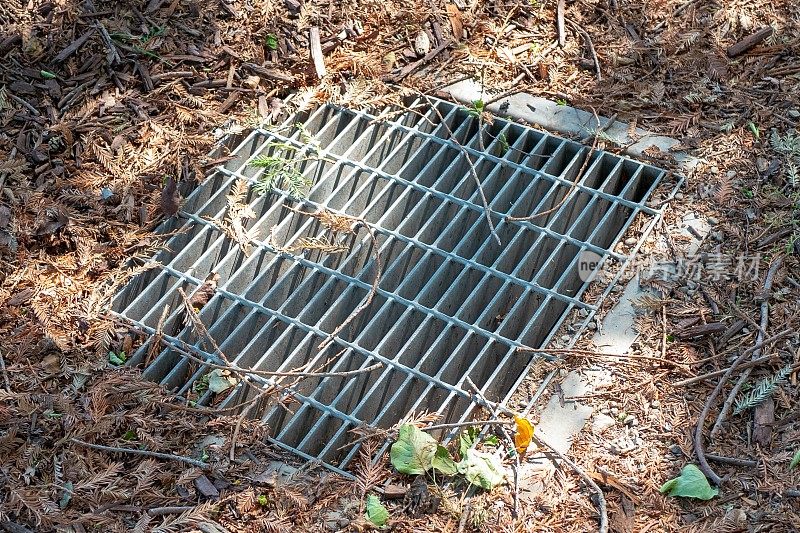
column 451, row 303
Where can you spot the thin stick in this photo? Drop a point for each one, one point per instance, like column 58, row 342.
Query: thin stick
column 192, row 314
column 467, row 424
column 601, row 500
column 372, row 291
column 735, row 461
column 161, row 511
column 483, row 401
column 5, row 373
column 562, row 34
column 574, row 185
column 159, row 455
column 590, row 353
column 728, row 405
column 473, row 172
column 664, row 332
column 266, row 373
column 750, row 364
column 583, row 33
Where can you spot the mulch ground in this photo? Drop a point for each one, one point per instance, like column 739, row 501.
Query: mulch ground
column 104, row 104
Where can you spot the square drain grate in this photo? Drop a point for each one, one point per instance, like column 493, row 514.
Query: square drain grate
column 450, row 301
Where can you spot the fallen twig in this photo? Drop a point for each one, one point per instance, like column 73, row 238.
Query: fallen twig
column 735, row 461
column 586, row 37
column 372, row 291
column 574, row 185
column 158, row 455
column 515, row 467
column 749, row 42
column 161, row 511
column 562, row 34
column 411, row 68
column 726, row 407
column 601, row 499
column 590, row 353
column 778, row 336
column 467, row 424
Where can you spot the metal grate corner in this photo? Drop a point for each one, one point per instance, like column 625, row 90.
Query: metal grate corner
column 451, row 302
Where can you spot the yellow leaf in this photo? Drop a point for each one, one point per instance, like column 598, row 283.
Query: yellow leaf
column 524, row 434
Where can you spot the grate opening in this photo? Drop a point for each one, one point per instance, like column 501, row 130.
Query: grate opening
column 451, row 303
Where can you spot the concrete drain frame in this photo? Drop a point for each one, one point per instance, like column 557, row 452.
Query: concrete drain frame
column 450, row 302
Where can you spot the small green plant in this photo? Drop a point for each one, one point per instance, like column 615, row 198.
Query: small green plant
column 200, row 386
column 117, row 358
column 761, row 390
column 561, row 102
column 262, row 500
column 795, row 460
column 271, row 41
column 282, row 170
column 754, row 130
column 477, row 108
column 747, row 193
column 415, row 452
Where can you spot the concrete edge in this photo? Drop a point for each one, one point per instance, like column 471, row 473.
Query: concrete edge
column 568, row 120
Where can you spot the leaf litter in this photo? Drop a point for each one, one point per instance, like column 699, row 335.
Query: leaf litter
column 108, row 115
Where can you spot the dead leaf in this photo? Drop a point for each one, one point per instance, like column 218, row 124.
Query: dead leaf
column 609, row 480
column 20, row 298
column 454, row 15
column 621, row 516
column 524, row 434
column 54, row 220
column 203, row 294
column 170, row 200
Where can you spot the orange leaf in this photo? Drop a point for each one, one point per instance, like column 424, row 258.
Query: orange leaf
column 524, row 434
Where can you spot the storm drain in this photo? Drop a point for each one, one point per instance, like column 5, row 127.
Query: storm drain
column 451, row 302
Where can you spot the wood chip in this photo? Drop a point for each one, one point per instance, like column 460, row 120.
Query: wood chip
column 394, row 492
column 205, row 487
column 73, row 46
column 749, row 42
column 701, row 331
column 454, row 14
column 316, row 52
column 268, row 73
column 763, row 419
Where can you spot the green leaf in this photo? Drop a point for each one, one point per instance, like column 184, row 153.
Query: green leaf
column 376, row 512
column 482, row 469
column 271, row 41
column 795, row 459
column 467, row 440
column 262, row 500
column 443, row 462
column 690, row 484
column 220, row 380
column 129, row 435
column 47, row 75
column 414, row 450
